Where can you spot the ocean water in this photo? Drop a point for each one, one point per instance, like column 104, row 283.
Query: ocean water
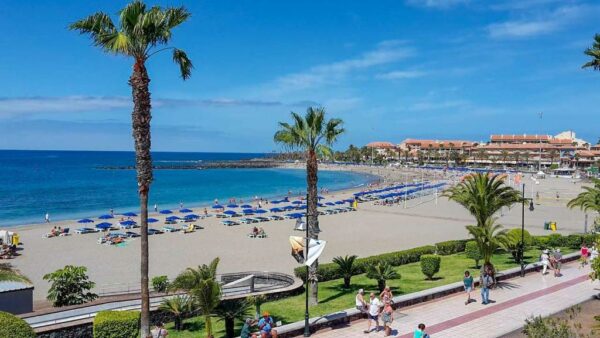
column 68, row 184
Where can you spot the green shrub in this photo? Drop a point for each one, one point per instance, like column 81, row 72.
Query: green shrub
column 160, row 283
column 70, row 286
column 512, row 243
column 472, row 251
column 330, row 271
column 540, row 242
column 450, row 247
column 556, row 240
column 14, row 327
column 430, row 265
column 117, row 324
column 590, row 239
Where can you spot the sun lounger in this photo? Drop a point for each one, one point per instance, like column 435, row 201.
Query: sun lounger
column 276, row 217
column 247, row 220
column 152, row 231
column 132, row 234
column 83, row 231
column 169, row 229
column 229, row 223
column 262, row 219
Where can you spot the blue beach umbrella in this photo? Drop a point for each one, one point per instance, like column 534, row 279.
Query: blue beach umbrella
column 85, row 220
column 339, row 202
column 297, row 202
column 276, row 210
column 172, row 218
column 320, row 197
column 229, row 212
column 186, row 210
column 248, row 211
column 152, row 220
column 130, row 214
column 260, row 211
column 246, row 206
column 217, row 206
column 105, row 217
column 232, row 205
column 166, row 212
column 330, row 203
column 192, row 216
column 289, row 207
column 104, row 225
column 302, row 207
column 275, row 201
column 128, row 223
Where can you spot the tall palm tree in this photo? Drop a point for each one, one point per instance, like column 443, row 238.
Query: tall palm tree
column 191, row 278
column 483, row 195
column 229, row 311
column 488, row 237
column 310, row 133
column 346, row 267
column 594, row 53
column 589, row 200
column 207, row 296
column 141, row 33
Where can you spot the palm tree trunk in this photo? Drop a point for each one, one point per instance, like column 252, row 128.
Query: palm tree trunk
column 140, row 118
column 229, row 328
column 313, row 222
column 208, row 326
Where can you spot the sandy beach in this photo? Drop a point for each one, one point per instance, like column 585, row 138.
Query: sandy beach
column 372, row 229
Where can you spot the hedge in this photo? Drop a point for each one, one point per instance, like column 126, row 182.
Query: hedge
column 117, row 324
column 430, row 265
column 450, row 247
column 14, row 327
column 330, row 271
column 472, row 252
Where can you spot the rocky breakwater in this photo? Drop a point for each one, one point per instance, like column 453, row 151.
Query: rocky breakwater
column 252, row 164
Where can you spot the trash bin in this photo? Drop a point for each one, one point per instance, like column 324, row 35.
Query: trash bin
column 553, row 226
column 546, row 225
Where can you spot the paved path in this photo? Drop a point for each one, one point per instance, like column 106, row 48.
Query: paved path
column 514, row 300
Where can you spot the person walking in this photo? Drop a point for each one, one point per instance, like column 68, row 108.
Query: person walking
column 160, row 331
column 386, row 294
column 485, row 281
column 387, row 316
column 47, row 218
column 374, row 310
column 155, row 207
column 361, row 304
column 558, row 262
column 468, row 283
column 584, row 254
column 420, row 332
column 545, row 259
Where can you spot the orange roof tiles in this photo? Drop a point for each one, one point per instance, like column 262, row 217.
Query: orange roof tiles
column 381, row 145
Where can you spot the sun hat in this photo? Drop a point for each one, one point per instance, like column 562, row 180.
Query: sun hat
column 266, row 313
column 545, row 251
column 361, row 290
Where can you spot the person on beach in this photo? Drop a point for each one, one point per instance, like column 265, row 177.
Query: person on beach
column 387, row 316
column 159, row 331
column 180, row 205
column 386, row 294
column 593, row 253
column 265, row 324
column 112, row 212
column 468, row 283
column 374, row 311
column 558, row 262
column 545, row 259
column 361, row 304
column 420, row 332
column 47, row 218
column 584, row 254
column 486, row 282
column 205, row 212
column 155, row 207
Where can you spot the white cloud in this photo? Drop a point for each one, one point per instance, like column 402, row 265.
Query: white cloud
column 401, row 74
column 541, row 23
column 386, row 52
column 438, row 4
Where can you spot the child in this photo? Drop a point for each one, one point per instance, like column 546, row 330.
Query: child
column 387, row 317
column 468, row 282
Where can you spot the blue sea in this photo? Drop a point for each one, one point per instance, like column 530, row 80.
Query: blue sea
column 69, row 184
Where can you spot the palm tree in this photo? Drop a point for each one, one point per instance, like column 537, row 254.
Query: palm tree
column 141, row 34
column 505, row 156
column 207, row 296
column 382, row 272
column 589, row 200
column 229, row 311
column 483, row 195
column 310, row 133
column 553, row 154
column 191, row 278
column 178, row 307
column 517, row 156
column 10, row 274
column 594, row 53
column 346, row 268
column 488, row 237
column 257, row 301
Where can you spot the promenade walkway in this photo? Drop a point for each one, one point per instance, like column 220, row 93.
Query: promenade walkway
column 514, row 300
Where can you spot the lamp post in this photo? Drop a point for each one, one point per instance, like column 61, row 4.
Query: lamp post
column 522, row 244
column 306, row 324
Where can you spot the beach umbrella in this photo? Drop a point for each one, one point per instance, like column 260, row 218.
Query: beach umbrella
column 103, row 225
column 275, row 201
column 276, row 210
column 130, row 214
column 339, row 202
column 106, row 217
column 330, row 203
column 349, row 200
column 217, row 206
column 192, row 216
column 166, row 212
column 297, row 202
column 152, row 220
column 127, row 223
column 229, row 212
column 289, row 207
column 260, row 211
column 232, row 205
column 248, row 211
column 302, row 207
column 320, row 197
column 85, row 220
column 186, row 210
column 320, row 204
column 172, row 218
column 246, row 206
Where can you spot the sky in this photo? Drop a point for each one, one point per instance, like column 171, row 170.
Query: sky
column 457, row 69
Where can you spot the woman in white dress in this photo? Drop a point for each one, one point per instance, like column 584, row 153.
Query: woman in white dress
column 545, row 259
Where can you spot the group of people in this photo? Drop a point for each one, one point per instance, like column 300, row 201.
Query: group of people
column 265, row 325
column 376, row 307
column 258, row 232
column 56, row 231
column 588, row 255
column 552, row 260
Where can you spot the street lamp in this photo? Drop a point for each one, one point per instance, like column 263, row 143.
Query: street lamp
column 522, row 245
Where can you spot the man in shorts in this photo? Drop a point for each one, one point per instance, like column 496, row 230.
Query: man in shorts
column 557, row 262
column 266, row 324
column 374, row 311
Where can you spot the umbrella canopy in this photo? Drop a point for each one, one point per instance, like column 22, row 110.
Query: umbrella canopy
column 172, row 218
column 152, row 220
column 106, row 217
column 217, row 206
column 275, row 201
column 260, row 211
column 166, row 212
column 320, row 197
column 229, row 212
column 330, row 203
column 232, row 205
column 128, row 223
column 130, row 214
column 186, row 210
column 192, row 216
column 85, row 220
column 289, row 207
column 297, row 202
column 276, row 210
column 248, row 211
column 302, row 207
column 246, row 206
column 103, row 225
column 339, row 202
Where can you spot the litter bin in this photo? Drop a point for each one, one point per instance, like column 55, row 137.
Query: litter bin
column 553, row 226
column 546, row 225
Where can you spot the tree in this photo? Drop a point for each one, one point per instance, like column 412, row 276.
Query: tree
column 472, row 251
column 191, row 278
column 512, row 243
column 14, row 327
column 10, row 274
column 483, row 195
column 382, row 272
column 177, row 306
column 594, row 53
column 309, row 133
column 70, row 286
column 160, row 283
column 553, row 154
column 430, row 265
column 346, row 268
column 589, row 200
column 229, row 311
column 504, row 154
column 141, row 34
column 489, row 238
column 257, row 301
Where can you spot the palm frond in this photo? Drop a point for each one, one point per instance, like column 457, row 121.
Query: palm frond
column 185, row 64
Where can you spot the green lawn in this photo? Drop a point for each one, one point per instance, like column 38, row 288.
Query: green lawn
column 333, row 297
